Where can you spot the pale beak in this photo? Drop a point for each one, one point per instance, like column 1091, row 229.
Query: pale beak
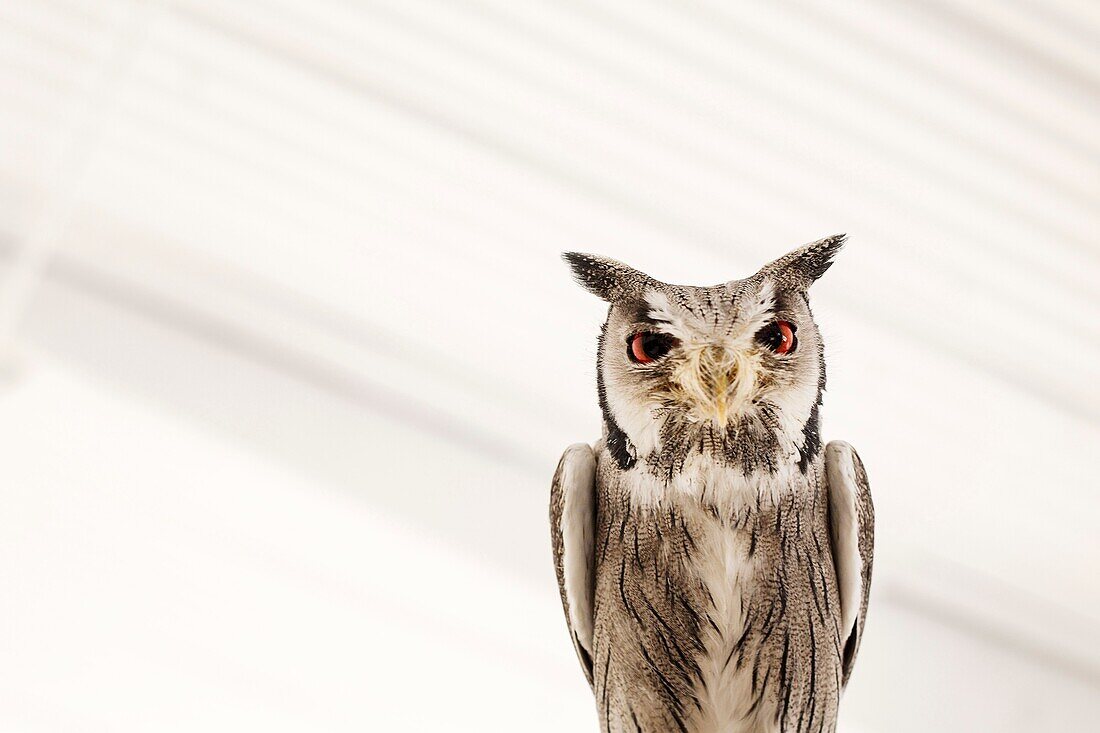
column 717, row 380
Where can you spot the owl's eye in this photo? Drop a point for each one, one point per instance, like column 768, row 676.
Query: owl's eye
column 778, row 336
column 646, row 347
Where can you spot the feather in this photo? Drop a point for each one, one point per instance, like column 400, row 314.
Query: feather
column 852, row 532
column 573, row 531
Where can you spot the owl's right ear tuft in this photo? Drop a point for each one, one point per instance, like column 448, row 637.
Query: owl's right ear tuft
column 604, row 277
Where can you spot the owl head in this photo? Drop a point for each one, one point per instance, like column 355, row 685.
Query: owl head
column 733, row 371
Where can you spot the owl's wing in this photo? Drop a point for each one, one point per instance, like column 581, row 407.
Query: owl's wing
column 852, row 530
column 572, row 534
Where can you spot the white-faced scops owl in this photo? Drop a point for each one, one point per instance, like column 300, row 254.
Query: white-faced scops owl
column 714, row 559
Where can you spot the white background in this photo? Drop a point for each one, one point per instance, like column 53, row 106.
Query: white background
column 289, row 355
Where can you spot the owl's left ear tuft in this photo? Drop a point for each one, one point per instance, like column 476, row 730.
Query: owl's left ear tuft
column 802, row 267
column 604, row 277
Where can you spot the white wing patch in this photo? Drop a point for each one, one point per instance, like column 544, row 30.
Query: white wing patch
column 578, row 529
column 844, row 517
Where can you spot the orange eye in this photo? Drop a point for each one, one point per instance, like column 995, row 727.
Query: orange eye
column 646, row 347
column 778, row 336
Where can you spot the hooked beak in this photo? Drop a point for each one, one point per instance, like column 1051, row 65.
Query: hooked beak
column 717, row 381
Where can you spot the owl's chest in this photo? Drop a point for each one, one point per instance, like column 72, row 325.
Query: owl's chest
column 727, row 569
column 674, row 588
column 688, row 583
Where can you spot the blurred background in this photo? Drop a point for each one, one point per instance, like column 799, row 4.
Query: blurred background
column 288, row 355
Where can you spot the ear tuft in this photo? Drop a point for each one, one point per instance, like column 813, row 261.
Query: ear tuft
column 604, row 277
column 806, row 264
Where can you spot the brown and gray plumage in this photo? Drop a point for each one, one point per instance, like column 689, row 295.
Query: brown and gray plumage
column 714, row 559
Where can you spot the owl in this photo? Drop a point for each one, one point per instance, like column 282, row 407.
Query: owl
column 714, row 559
